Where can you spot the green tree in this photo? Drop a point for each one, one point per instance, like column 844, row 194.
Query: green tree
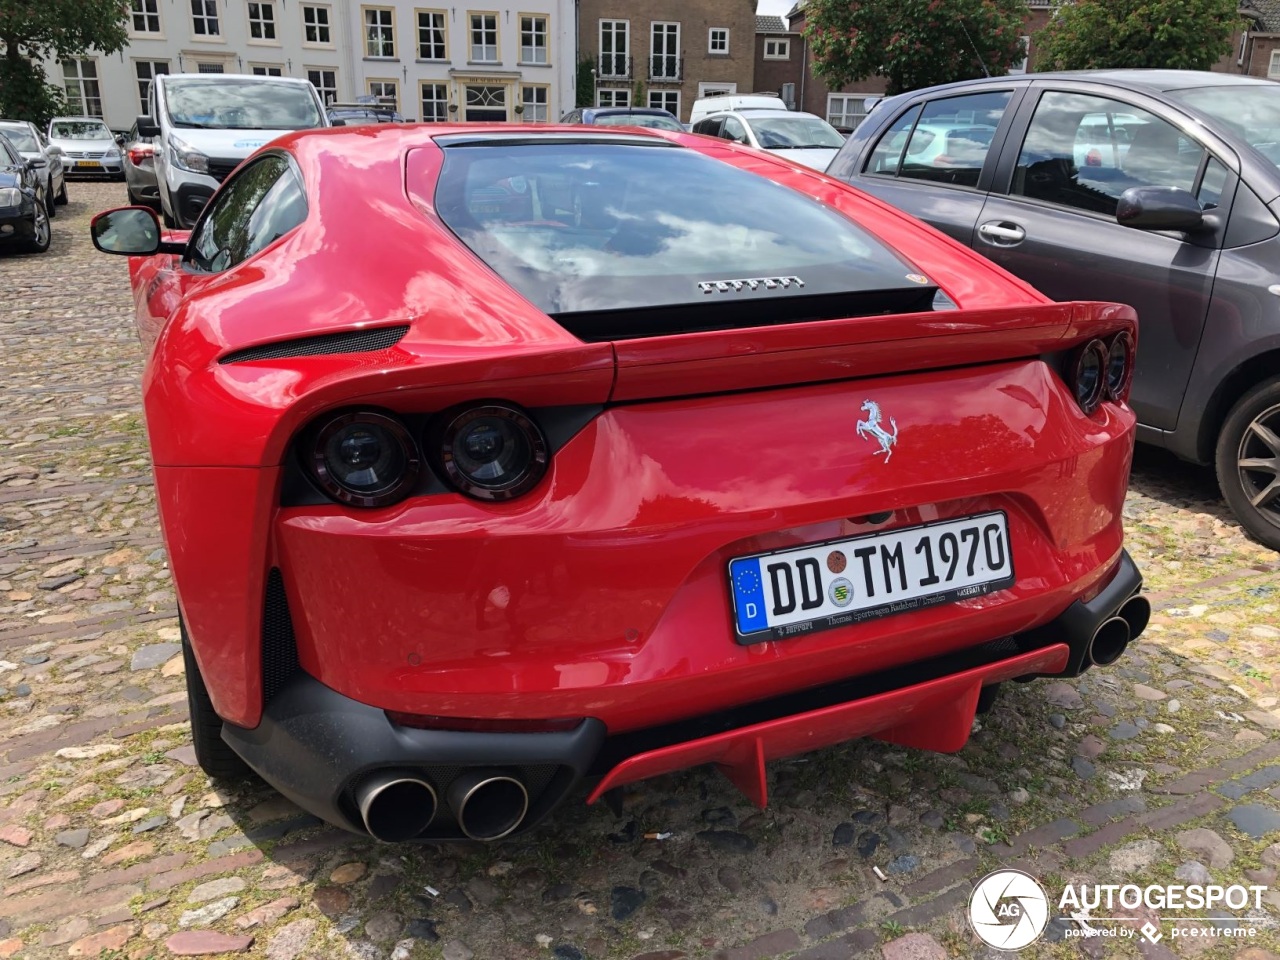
column 1175, row 34
column 586, row 82
column 913, row 43
column 33, row 30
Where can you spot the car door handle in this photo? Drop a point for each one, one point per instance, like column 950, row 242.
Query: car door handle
column 1003, row 234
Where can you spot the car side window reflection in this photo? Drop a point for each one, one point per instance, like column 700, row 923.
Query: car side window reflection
column 951, row 141
column 888, row 152
column 1083, row 151
column 734, row 130
column 263, row 203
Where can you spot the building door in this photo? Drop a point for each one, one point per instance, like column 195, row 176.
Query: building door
column 486, row 104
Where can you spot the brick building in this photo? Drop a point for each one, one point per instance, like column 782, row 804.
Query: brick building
column 1255, row 50
column 667, row 53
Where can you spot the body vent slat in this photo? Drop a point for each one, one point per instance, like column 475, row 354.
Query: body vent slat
column 350, row 341
column 279, row 649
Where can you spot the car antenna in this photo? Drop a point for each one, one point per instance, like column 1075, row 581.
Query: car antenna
column 985, row 72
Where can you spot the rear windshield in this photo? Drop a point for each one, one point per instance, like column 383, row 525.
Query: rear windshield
column 652, row 120
column 1251, row 112
column 794, row 133
column 580, row 226
column 241, row 105
column 79, row 130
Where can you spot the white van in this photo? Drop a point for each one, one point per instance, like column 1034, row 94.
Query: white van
column 204, row 124
column 705, row 106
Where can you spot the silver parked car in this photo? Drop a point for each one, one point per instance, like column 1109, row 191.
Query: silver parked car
column 47, row 158
column 140, row 170
column 88, row 145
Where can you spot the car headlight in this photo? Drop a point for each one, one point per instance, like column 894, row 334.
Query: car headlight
column 10, row 197
column 365, row 458
column 493, row 452
column 188, row 158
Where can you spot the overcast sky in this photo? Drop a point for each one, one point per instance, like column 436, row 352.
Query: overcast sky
column 779, row 7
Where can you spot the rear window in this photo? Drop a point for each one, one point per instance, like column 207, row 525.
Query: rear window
column 653, row 120
column 579, row 227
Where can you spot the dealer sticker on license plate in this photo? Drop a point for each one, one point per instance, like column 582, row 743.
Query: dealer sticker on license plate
column 820, row 586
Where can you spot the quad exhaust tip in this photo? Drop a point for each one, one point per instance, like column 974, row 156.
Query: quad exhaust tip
column 1136, row 612
column 1109, row 641
column 396, row 806
column 489, row 804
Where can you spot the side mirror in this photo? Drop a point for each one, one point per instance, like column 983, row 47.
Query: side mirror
column 338, row 123
column 131, row 231
column 147, row 127
column 54, row 150
column 1159, row 208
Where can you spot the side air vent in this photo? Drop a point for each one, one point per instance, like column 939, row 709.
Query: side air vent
column 351, row 341
column 279, row 650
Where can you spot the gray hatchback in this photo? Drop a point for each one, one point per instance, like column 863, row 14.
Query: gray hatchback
column 1159, row 189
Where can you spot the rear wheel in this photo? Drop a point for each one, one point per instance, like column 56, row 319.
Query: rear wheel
column 987, row 698
column 216, row 759
column 1248, row 461
column 62, row 194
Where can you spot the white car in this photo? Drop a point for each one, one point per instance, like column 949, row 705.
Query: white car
column 802, row 137
column 88, row 146
column 703, row 107
column 203, row 125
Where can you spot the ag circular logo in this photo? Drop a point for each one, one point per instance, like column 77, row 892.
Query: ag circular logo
column 1008, row 910
column 841, row 592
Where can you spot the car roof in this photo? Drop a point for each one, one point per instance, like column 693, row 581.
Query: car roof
column 627, row 111
column 94, row 119
column 16, row 123
column 747, row 113
column 1153, row 81
column 224, row 77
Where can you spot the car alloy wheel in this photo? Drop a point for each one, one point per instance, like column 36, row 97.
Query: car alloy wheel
column 1248, row 461
column 41, row 234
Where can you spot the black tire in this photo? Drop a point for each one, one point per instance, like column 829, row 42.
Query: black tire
column 134, row 200
column 61, row 199
column 169, row 222
column 216, row 759
column 49, row 204
column 1248, row 462
column 42, row 231
column 987, row 698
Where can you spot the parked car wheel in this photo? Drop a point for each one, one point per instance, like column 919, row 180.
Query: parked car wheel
column 62, row 198
column 49, row 202
column 41, row 232
column 1249, row 461
column 216, row 759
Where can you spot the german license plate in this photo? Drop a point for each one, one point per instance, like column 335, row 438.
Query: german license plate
column 817, row 587
column 88, row 165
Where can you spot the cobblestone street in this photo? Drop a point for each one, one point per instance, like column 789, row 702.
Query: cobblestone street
column 1164, row 768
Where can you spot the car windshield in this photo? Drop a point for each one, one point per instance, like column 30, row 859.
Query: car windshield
column 604, row 226
column 241, row 105
column 795, row 133
column 1250, row 112
column 79, row 130
column 22, row 138
column 654, row 121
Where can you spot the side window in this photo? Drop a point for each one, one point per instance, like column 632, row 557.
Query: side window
column 709, row 127
column 263, row 203
column 734, row 130
column 888, row 152
column 1083, row 151
column 1212, row 184
column 952, row 139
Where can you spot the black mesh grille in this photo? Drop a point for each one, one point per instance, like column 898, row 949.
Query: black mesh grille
column 221, row 169
column 279, row 650
column 352, row 341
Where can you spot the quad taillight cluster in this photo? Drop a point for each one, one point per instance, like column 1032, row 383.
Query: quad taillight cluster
column 370, row 458
column 1101, row 370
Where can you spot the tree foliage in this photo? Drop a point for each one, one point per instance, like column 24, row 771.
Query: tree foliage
column 913, row 43
column 33, row 30
column 585, row 83
column 1175, row 34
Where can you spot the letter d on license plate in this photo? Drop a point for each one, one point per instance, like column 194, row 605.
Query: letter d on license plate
column 817, row 587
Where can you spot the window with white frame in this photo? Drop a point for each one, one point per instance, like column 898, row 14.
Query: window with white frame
column 387, row 91
column 325, row 82
column 1273, row 67
column 484, row 37
column 148, row 70
column 207, row 66
column 668, row 100
column 315, row 25
column 533, row 39
column 84, row 96
column 777, row 48
column 534, row 100
column 266, row 70
column 609, row 97
column 145, row 16
column 204, row 18
column 664, row 47
column 718, row 40
column 1024, row 45
column 435, row 103
column 262, row 21
column 846, row 111
column 432, row 43
column 615, row 48
column 379, row 32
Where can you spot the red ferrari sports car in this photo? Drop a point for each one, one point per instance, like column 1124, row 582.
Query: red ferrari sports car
column 490, row 459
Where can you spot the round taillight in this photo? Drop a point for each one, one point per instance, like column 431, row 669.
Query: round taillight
column 366, row 459
column 1119, row 366
column 493, row 452
column 1089, row 375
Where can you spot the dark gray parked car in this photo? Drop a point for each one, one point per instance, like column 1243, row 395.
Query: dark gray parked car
column 1159, row 189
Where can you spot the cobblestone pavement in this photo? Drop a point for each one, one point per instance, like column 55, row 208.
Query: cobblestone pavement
column 113, row 844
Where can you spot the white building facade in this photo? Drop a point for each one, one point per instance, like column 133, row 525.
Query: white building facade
column 490, row 63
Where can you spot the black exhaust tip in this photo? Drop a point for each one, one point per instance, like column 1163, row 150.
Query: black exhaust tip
column 489, row 804
column 396, row 806
column 1136, row 612
column 1108, row 642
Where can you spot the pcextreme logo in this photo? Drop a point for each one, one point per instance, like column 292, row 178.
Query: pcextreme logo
column 1009, row 910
